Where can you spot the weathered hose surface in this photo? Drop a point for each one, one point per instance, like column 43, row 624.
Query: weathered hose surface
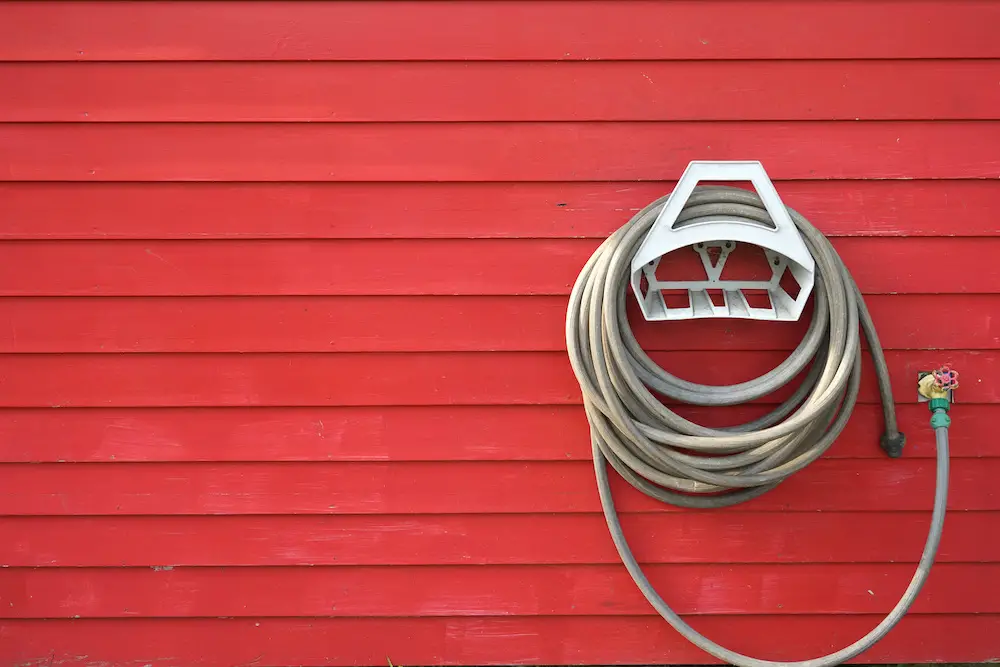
column 678, row 461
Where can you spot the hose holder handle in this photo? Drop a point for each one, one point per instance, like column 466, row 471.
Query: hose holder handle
column 782, row 244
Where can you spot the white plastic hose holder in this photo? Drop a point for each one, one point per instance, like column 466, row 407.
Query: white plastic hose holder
column 782, row 244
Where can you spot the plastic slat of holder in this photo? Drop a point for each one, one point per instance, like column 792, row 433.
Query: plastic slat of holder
column 782, row 244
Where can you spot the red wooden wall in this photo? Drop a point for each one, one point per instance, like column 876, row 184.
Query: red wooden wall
column 282, row 375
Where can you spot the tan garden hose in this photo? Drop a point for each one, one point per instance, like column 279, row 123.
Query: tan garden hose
column 677, row 461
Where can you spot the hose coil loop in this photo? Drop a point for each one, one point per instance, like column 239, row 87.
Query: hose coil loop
column 683, row 463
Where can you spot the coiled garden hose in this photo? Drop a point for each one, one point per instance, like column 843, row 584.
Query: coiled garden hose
column 683, row 463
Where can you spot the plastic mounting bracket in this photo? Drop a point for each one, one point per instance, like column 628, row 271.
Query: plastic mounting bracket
column 782, row 244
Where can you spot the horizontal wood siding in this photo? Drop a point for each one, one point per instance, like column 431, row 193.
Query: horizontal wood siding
column 485, row 91
column 569, row 151
column 282, row 290
column 594, row 209
column 501, row 30
column 472, row 640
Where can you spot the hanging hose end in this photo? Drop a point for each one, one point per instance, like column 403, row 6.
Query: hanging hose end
column 892, row 444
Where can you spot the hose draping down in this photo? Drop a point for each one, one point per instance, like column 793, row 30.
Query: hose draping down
column 678, row 461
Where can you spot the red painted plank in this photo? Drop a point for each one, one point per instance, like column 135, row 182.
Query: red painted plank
column 466, row 433
column 723, row 537
column 423, row 267
column 433, row 324
column 505, row 590
column 497, row 30
column 450, row 487
column 464, row 641
column 458, row 210
column 507, row 91
column 491, row 151
column 480, row 641
column 457, row 378
column 361, row 324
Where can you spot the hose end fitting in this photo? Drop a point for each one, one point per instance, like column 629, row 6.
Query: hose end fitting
column 936, row 404
column 892, row 444
column 940, row 419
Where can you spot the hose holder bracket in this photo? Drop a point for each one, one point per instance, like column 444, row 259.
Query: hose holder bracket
column 782, row 244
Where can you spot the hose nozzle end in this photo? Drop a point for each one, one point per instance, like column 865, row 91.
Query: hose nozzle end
column 892, row 444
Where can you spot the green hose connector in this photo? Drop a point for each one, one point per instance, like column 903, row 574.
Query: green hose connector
column 939, row 413
column 939, row 404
